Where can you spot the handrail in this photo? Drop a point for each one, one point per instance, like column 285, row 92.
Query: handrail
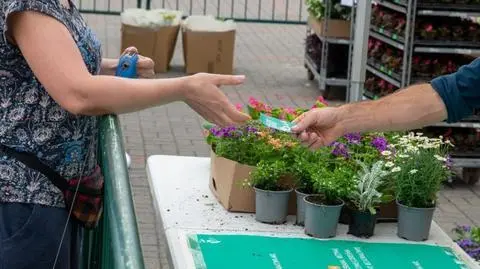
column 115, row 243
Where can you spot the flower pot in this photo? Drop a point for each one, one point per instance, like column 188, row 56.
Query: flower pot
column 271, row 206
column 345, row 215
column 300, row 207
column 321, row 220
column 362, row 224
column 414, row 223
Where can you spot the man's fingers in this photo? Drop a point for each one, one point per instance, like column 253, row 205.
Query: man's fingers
column 227, row 79
column 304, row 121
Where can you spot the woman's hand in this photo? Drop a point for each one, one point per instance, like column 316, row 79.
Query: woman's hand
column 145, row 65
column 203, row 95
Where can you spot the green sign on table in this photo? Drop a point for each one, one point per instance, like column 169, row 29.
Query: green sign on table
column 212, row 251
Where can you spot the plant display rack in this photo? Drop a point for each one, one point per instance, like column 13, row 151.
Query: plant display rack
column 321, row 70
column 411, row 41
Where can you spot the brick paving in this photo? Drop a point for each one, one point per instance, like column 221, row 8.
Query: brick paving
column 271, row 58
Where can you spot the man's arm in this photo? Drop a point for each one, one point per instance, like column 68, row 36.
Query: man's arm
column 452, row 97
column 407, row 109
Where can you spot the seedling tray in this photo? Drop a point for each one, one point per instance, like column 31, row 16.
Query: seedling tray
column 388, row 33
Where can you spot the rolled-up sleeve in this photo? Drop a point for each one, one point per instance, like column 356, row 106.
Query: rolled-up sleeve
column 460, row 91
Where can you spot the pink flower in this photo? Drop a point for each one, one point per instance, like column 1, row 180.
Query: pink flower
column 253, row 102
column 268, row 108
column 239, row 107
column 290, row 110
column 322, row 100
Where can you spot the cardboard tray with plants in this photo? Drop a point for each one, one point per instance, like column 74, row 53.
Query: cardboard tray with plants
column 338, row 22
column 358, row 180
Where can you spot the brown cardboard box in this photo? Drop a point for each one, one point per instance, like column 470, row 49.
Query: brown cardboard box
column 210, row 52
column 226, row 183
column 155, row 43
column 335, row 28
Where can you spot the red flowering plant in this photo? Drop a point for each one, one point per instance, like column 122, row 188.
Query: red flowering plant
column 256, row 107
column 253, row 142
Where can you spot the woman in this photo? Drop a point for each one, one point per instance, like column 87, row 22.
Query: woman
column 51, row 90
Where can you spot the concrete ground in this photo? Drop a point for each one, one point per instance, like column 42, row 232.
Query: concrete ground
column 271, row 56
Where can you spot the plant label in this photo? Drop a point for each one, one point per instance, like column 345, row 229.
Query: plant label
column 276, row 124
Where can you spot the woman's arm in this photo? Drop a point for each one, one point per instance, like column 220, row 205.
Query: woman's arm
column 56, row 61
column 109, row 66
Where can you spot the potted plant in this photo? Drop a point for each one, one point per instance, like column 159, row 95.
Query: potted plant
column 366, row 198
column 400, row 27
column 458, row 33
column 332, row 180
column 420, row 165
column 474, row 33
column 271, row 192
column 302, row 169
column 427, row 32
column 444, row 33
column 425, row 68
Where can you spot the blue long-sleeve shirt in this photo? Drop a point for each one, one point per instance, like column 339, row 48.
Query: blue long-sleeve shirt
column 460, row 91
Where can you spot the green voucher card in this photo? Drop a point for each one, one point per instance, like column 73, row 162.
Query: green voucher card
column 275, row 123
column 261, row 252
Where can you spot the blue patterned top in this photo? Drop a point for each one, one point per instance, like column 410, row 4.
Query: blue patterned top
column 30, row 120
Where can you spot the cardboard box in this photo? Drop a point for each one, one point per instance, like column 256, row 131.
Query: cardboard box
column 226, row 183
column 209, row 52
column 155, row 43
column 335, row 28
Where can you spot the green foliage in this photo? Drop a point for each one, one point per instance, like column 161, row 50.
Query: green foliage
column 419, row 178
column 337, row 11
column 419, row 167
column 366, row 196
column 269, row 174
column 334, row 180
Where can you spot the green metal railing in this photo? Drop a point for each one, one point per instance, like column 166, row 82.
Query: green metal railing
column 115, row 243
column 260, row 11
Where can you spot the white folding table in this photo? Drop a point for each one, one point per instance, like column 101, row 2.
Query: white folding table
column 184, row 204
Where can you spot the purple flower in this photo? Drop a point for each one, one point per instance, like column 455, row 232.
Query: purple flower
column 340, row 149
column 251, row 129
column 474, row 253
column 465, row 243
column 449, row 163
column 380, row 143
column 353, row 138
column 226, row 132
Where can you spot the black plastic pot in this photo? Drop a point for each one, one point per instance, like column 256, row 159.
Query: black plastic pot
column 362, row 224
column 345, row 215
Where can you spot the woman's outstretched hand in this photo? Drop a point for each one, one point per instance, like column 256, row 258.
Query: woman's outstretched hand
column 318, row 127
column 203, row 95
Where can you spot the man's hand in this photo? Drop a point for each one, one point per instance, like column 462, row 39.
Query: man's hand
column 145, row 65
column 318, row 127
column 203, row 95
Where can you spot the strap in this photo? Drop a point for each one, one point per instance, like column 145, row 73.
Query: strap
column 33, row 162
